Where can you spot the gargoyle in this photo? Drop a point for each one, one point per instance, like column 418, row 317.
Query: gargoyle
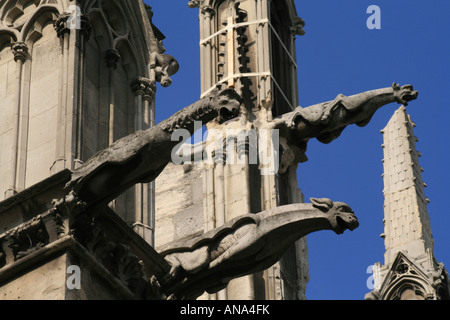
column 162, row 65
column 140, row 157
column 247, row 244
column 326, row 121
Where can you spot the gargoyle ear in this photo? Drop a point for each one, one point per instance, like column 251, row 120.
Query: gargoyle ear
column 322, row 203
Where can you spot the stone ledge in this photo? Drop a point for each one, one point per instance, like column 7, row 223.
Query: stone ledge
column 38, row 230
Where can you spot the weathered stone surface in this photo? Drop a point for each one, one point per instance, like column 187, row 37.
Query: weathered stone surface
column 326, row 121
column 141, row 156
column 174, row 191
column 64, row 86
column 247, row 244
column 114, row 261
column 46, row 282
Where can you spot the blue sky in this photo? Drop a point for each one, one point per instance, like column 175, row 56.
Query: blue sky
column 339, row 54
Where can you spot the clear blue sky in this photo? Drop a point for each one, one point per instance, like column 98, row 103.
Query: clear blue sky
column 339, row 54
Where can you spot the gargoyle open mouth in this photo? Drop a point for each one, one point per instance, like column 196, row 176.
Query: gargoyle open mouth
column 405, row 94
column 409, row 96
column 349, row 222
column 226, row 114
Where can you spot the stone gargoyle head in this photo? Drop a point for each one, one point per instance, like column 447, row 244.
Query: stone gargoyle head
column 405, row 93
column 226, row 103
column 339, row 214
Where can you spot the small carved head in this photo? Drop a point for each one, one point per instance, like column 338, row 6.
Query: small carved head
column 226, row 103
column 404, row 94
column 340, row 215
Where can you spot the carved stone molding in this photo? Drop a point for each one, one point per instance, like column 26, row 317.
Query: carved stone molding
column 28, row 238
column 70, row 226
column 93, row 232
column 67, row 222
column 20, row 51
column 144, row 87
column 115, row 257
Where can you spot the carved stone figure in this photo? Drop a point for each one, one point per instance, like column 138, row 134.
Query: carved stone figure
column 141, row 156
column 20, row 51
column 326, row 121
column 162, row 65
column 247, row 244
column 194, row 3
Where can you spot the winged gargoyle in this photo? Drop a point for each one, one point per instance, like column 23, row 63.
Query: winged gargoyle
column 162, row 65
column 140, row 157
column 246, row 245
column 326, row 121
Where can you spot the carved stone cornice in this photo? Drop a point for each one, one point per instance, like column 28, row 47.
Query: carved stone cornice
column 107, row 244
column 27, row 238
column 30, row 236
column 48, row 220
column 144, row 87
column 20, row 51
column 93, row 235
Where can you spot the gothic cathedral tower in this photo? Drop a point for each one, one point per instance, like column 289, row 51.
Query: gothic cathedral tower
column 75, row 76
column 61, row 64
column 248, row 46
